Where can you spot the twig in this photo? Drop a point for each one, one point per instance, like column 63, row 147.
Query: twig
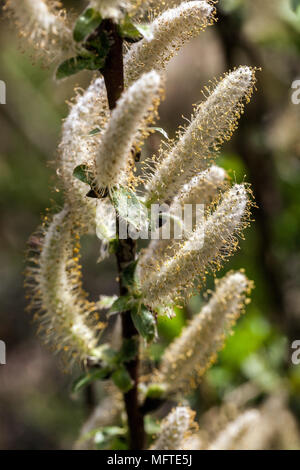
column 114, row 81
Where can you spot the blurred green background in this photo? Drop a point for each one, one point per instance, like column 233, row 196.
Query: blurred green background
column 37, row 409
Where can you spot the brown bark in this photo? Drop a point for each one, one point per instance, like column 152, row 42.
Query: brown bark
column 113, row 74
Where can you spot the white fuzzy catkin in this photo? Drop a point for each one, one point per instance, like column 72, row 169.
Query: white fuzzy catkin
column 43, row 24
column 205, row 249
column 89, row 112
column 114, row 155
column 214, row 122
column 194, row 351
column 231, row 435
column 169, row 32
column 67, row 319
column 202, row 189
column 174, row 429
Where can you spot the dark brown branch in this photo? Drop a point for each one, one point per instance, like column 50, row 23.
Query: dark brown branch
column 114, row 81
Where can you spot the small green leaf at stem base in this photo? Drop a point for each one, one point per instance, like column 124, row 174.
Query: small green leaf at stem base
column 89, row 377
column 87, row 22
column 130, row 208
column 122, row 304
column 87, row 61
column 128, row 276
column 129, row 349
column 122, row 379
column 95, row 131
column 82, row 173
column 144, row 322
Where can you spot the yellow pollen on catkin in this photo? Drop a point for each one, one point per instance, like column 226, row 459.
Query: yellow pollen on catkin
column 44, row 24
column 195, row 350
column 53, row 280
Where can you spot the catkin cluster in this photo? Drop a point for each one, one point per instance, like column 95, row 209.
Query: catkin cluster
column 103, row 145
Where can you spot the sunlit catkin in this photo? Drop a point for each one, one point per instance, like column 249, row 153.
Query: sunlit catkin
column 169, row 32
column 214, row 122
column 87, row 113
column 43, row 24
column 201, row 190
column 194, row 351
column 174, row 429
column 114, row 156
column 207, row 248
column 66, row 318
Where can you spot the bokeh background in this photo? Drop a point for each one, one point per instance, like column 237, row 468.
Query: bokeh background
column 37, row 408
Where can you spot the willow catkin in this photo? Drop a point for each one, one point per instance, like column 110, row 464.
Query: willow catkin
column 203, row 189
column 43, row 24
column 67, row 320
column 174, row 429
column 89, row 112
column 213, row 123
column 208, row 246
column 190, row 355
column 169, row 32
column 114, row 157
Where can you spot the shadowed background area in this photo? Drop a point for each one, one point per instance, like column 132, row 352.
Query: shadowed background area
column 37, row 408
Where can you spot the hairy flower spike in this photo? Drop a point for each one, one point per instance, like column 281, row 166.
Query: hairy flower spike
column 202, row 189
column 43, row 24
column 54, row 281
column 230, row 437
column 174, row 429
column 89, row 112
column 123, row 130
column 214, row 122
column 206, row 248
column 194, row 351
column 170, row 31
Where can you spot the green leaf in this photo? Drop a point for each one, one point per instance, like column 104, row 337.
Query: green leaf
column 87, row 22
column 122, row 379
column 128, row 275
column 110, row 356
column 155, row 391
column 77, row 64
column 95, row 131
column 129, row 349
column 122, row 304
column 160, row 130
column 135, row 31
column 144, row 322
column 82, row 173
column 86, row 379
column 128, row 30
column 130, row 208
column 113, row 245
